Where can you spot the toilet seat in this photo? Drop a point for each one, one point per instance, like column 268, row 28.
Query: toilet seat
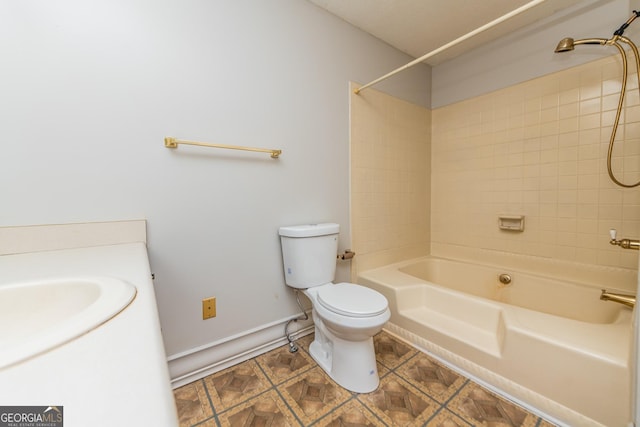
column 352, row 300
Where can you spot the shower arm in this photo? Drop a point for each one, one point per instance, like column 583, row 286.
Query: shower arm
column 624, row 26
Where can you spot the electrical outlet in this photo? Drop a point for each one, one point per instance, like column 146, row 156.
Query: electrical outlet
column 208, row 308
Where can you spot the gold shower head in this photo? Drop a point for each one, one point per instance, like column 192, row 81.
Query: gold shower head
column 568, row 43
column 565, row 45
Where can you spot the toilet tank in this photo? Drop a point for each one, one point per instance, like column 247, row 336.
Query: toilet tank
column 309, row 254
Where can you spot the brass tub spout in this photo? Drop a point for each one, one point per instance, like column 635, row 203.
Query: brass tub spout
column 626, row 299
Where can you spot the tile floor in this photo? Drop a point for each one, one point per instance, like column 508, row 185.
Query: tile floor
column 280, row 388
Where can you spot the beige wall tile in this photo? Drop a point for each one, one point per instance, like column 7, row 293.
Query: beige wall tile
column 550, row 167
column 390, row 178
column 436, row 180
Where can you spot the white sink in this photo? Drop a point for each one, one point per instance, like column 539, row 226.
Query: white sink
column 38, row 316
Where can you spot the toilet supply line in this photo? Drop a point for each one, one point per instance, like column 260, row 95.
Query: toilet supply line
column 292, row 344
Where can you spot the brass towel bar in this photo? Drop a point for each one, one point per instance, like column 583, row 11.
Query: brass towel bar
column 171, row 142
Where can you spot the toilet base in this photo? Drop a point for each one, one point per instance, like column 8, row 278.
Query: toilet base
column 352, row 364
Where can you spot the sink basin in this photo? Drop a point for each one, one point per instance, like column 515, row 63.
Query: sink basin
column 38, row 316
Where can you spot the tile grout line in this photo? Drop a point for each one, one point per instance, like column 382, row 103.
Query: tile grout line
column 333, row 409
column 213, row 408
column 277, row 390
column 262, row 393
column 216, row 414
column 392, row 370
column 446, row 402
column 370, row 411
column 422, row 393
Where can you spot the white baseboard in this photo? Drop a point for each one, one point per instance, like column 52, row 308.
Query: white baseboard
column 197, row 363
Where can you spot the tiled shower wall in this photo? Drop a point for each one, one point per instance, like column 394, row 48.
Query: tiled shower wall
column 538, row 149
column 436, row 181
column 390, row 169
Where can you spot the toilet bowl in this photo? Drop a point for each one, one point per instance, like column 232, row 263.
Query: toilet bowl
column 346, row 315
column 350, row 311
column 344, row 330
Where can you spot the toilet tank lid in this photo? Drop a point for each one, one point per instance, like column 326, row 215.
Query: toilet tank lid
column 310, row 230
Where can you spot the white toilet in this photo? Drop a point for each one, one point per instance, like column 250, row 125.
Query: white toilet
column 346, row 316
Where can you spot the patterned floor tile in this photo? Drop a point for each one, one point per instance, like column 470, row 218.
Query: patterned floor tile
column 351, row 414
column 236, row 384
column 268, row 409
column 382, row 370
column 397, row 403
column 280, row 364
column 390, row 351
column 446, row 418
column 209, row 423
column 479, row 406
column 410, row 388
column 192, row 404
column 313, row 395
column 432, row 378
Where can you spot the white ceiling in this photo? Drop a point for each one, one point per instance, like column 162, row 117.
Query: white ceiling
column 417, row 27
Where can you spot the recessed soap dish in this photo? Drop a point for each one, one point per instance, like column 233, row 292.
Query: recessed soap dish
column 511, row 222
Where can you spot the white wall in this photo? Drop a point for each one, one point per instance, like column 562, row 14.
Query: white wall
column 529, row 52
column 90, row 89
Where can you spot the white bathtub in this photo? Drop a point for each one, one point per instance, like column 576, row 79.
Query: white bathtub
column 549, row 344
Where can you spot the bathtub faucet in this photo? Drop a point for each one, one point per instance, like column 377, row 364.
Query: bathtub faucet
column 624, row 243
column 626, row 299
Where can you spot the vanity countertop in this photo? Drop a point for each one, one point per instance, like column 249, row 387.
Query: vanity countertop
column 114, row 375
